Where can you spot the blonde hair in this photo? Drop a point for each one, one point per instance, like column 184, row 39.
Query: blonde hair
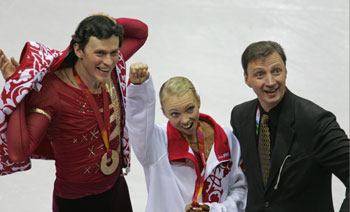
column 176, row 86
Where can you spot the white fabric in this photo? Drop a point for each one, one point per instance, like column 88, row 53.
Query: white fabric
column 170, row 186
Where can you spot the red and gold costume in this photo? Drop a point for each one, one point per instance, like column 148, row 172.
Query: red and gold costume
column 57, row 122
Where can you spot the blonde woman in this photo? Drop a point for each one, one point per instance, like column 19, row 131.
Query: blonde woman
column 191, row 163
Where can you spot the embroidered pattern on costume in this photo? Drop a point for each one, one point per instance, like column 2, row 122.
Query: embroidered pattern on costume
column 94, row 133
column 97, row 168
column 115, row 105
column 87, row 170
column 213, row 185
column 91, row 151
column 84, row 109
column 84, row 138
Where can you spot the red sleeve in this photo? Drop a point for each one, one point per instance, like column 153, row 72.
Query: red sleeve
column 135, row 35
column 26, row 130
column 25, row 133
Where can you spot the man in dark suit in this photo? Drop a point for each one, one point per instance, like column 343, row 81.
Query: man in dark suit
column 290, row 146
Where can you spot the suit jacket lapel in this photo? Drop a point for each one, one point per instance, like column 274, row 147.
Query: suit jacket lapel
column 249, row 127
column 284, row 137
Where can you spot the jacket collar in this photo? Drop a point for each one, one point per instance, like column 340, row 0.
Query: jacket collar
column 178, row 147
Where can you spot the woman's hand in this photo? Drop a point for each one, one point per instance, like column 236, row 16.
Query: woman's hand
column 138, row 73
column 7, row 67
column 201, row 208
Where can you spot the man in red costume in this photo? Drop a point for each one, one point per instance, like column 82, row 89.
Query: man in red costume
column 69, row 106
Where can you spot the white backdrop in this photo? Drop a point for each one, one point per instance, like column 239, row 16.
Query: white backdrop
column 202, row 40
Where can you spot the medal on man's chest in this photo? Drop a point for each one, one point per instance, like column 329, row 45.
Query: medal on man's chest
column 110, row 160
column 109, row 164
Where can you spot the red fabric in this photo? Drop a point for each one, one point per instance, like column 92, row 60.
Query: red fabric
column 135, row 35
column 36, row 61
column 19, row 149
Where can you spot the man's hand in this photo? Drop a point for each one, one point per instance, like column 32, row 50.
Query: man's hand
column 138, row 73
column 107, row 15
column 7, row 67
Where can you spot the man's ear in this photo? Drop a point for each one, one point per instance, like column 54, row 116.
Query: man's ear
column 78, row 52
column 246, row 80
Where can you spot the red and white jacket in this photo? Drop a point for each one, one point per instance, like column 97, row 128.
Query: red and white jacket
column 171, row 183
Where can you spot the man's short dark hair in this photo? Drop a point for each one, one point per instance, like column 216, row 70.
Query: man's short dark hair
column 260, row 50
column 98, row 26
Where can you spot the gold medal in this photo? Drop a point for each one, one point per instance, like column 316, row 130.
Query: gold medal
column 200, row 207
column 204, row 207
column 113, row 163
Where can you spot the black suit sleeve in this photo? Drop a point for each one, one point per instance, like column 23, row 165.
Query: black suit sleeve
column 236, row 114
column 331, row 148
column 233, row 125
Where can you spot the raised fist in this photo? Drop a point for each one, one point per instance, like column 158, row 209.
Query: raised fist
column 138, row 73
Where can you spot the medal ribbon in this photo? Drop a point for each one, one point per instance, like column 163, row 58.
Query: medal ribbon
column 104, row 125
column 200, row 179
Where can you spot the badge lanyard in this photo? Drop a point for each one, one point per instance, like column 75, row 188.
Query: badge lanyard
column 257, row 121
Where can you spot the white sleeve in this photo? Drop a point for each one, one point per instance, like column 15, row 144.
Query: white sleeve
column 147, row 139
column 236, row 200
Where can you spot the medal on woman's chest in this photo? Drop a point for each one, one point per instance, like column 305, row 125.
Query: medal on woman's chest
column 110, row 160
column 200, row 177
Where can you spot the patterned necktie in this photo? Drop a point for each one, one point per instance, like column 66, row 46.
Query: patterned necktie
column 264, row 148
